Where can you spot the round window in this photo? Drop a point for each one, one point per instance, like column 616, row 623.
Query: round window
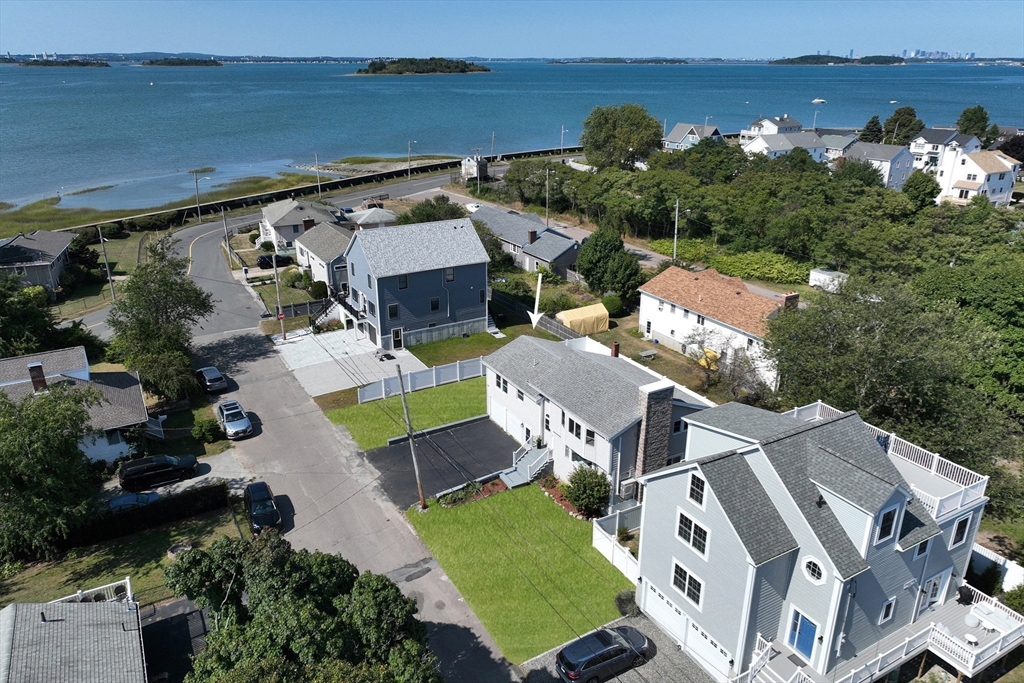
column 813, row 570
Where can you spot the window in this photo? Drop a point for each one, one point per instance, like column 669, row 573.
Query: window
column 697, row 489
column 295, row 229
column 813, row 571
column 339, row 266
column 403, row 282
column 504, row 385
column 972, row 176
column 590, row 437
column 672, row 308
column 497, row 380
column 547, row 423
column 922, row 549
column 373, row 309
column 435, row 304
column 692, row 534
column 686, row 314
column 750, row 343
column 672, row 333
column 886, row 525
column 960, row 532
column 661, row 305
column 574, row 428
column 449, row 275
column 677, row 426
column 369, row 281
column 483, row 296
column 352, row 269
column 700, row 319
column 935, row 148
column 963, row 162
column 519, row 394
column 392, row 311
column 964, row 194
column 888, row 608
column 1002, row 176
column 687, row 584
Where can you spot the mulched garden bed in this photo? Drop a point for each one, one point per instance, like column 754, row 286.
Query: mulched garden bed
column 549, row 485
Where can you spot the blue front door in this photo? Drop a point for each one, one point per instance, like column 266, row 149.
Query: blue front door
column 801, row 634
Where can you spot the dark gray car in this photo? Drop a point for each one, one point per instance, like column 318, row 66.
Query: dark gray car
column 601, row 655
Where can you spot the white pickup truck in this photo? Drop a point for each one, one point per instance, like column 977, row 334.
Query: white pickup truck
column 827, row 280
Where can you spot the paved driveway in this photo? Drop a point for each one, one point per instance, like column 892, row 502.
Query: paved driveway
column 221, row 466
column 331, row 500
column 446, row 459
column 666, row 664
column 338, row 360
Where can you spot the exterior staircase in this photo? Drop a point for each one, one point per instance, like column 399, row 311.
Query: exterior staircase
column 527, row 464
column 323, row 313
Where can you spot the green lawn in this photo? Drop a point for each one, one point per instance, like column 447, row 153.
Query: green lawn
column 142, row 557
column 178, row 429
column 476, row 345
column 525, row 567
column 371, row 424
column 123, row 254
column 289, row 295
column 86, row 298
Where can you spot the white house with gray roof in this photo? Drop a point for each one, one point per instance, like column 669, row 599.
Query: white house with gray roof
column 770, row 126
column 894, row 162
column 36, row 258
column 578, row 403
column 836, row 145
column 284, row 221
column 936, row 150
column 686, row 135
column 321, row 251
column 810, row 547
column 414, row 283
column 513, row 230
column 780, row 144
column 552, row 250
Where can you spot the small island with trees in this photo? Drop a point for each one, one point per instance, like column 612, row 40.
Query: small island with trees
column 182, row 61
column 63, row 62
column 815, row 60
column 620, row 60
column 406, row 66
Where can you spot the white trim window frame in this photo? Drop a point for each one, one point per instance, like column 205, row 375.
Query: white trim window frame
column 822, row 574
column 703, row 488
column 692, row 534
column 918, row 553
column 953, row 543
column 694, row 584
column 895, row 510
column 888, row 611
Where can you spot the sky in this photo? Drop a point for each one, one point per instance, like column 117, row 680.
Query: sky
column 508, row 29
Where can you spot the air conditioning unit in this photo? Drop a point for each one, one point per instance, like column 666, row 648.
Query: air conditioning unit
column 627, row 489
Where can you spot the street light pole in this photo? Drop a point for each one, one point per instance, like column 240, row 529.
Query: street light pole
column 409, row 159
column 561, row 145
column 195, row 176
column 316, row 165
column 412, row 446
column 106, row 264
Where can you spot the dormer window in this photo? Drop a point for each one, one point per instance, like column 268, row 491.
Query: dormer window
column 886, row 525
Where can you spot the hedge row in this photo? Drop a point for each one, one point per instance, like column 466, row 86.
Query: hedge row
column 761, row 265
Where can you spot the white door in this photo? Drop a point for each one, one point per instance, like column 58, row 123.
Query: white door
column 931, row 592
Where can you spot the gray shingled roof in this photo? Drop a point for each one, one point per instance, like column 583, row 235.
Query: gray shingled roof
column 421, row 246
column 963, row 139
column 121, row 404
column 293, row 212
column 874, row 151
column 789, row 141
column 749, row 508
column 681, row 130
column 54, row 363
column 373, row 216
column 603, row 391
column 40, row 246
column 743, row 420
column 512, row 228
column 549, row 246
column 90, row 641
column 936, row 136
column 838, row 141
column 326, row 241
column 918, row 526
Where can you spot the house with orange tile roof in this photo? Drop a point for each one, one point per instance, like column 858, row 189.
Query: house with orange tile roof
column 678, row 305
column 990, row 174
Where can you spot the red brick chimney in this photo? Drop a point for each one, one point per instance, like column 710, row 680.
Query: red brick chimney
column 532, row 236
column 35, row 371
column 615, row 349
column 791, row 299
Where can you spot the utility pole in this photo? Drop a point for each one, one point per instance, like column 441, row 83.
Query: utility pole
column 316, row 165
column 277, row 287
column 476, row 157
column 492, row 145
column 409, row 158
column 412, row 447
column 561, row 147
column 547, row 173
column 675, row 239
column 224, row 220
column 103, row 247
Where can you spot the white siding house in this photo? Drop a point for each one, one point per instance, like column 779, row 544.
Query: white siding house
column 686, row 135
column 894, row 162
column 286, row 220
column 770, row 126
column 989, row 174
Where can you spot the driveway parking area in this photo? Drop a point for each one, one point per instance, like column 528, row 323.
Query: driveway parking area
column 446, row 459
column 332, row 361
column 665, row 662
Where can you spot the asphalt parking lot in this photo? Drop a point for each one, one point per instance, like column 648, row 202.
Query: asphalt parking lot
column 446, row 459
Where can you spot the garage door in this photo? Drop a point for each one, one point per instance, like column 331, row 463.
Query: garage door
column 659, row 608
column 498, row 414
column 699, row 644
column 707, row 651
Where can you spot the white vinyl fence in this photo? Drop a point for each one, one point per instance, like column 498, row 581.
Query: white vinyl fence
column 1013, row 573
column 423, row 379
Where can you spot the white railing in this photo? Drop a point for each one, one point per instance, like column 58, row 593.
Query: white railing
column 423, row 379
column 619, row 556
column 112, row 592
column 538, row 464
column 520, row 453
column 762, row 653
column 978, row 596
column 878, row 666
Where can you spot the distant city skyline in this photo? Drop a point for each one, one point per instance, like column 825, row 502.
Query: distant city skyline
column 735, row 29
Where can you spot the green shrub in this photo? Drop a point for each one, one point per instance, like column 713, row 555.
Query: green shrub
column 291, row 277
column 460, row 496
column 318, row 290
column 550, row 277
column 554, row 304
column 160, row 221
column 686, row 250
column 613, row 303
column 514, row 286
column 9, row 569
column 206, row 430
column 253, row 236
column 267, row 246
column 761, row 265
column 113, row 230
column 36, row 294
column 623, row 535
column 1015, row 599
column 625, row 602
column 588, row 490
column 88, row 235
column 307, row 280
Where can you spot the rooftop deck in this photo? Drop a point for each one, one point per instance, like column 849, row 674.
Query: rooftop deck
column 941, row 485
column 927, row 632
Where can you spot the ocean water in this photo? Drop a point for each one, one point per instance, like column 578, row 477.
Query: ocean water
column 140, row 128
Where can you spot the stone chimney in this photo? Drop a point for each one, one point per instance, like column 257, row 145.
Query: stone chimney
column 655, row 425
column 35, row 371
column 532, row 236
column 615, row 349
column 791, row 299
column 307, row 223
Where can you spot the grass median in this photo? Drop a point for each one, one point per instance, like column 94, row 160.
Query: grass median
column 526, row 568
column 371, row 424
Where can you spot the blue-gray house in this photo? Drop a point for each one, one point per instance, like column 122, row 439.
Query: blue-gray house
column 410, row 284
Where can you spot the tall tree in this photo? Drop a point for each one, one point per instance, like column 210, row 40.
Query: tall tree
column 440, row 208
column 902, row 126
column 859, row 170
column 153, row 319
column 872, row 130
column 623, row 276
column 595, row 255
column 922, row 189
column 1013, row 147
column 45, row 491
column 500, row 259
column 620, row 136
column 973, row 121
column 28, row 326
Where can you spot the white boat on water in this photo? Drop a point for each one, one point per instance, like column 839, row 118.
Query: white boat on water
column 892, row 101
column 818, row 100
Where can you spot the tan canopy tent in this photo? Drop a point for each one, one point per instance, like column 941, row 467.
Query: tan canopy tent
column 585, row 320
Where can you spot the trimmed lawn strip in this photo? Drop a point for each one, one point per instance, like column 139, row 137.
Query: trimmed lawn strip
column 476, row 345
column 527, row 581
column 371, row 424
column 87, row 298
column 271, row 327
column 337, row 399
column 142, row 557
column 122, row 254
column 178, row 428
column 289, row 295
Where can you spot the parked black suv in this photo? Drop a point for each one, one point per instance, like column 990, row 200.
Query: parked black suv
column 156, row 470
column 260, row 508
column 601, row 655
column 267, row 260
